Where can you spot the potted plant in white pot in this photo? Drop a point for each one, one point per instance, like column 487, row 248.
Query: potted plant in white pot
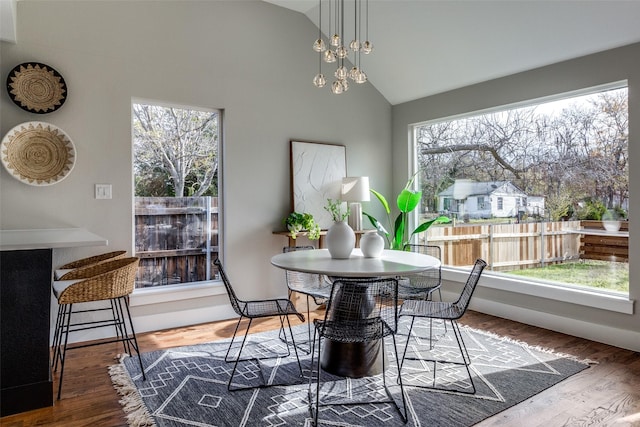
column 611, row 220
column 341, row 238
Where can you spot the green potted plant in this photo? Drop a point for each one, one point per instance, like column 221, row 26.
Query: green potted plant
column 297, row 222
column 406, row 201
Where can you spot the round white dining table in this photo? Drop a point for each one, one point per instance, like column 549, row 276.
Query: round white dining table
column 390, row 263
column 352, row 359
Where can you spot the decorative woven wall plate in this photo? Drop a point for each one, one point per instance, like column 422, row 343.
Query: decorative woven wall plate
column 36, row 87
column 37, row 153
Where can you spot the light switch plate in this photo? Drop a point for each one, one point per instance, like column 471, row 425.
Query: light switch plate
column 103, row 191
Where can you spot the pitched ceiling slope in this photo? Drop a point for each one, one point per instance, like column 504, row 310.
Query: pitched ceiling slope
column 424, row 47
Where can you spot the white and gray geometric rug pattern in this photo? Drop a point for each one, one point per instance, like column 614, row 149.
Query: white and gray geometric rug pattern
column 187, row 386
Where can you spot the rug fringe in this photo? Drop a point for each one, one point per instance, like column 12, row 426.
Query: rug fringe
column 534, row 347
column 136, row 412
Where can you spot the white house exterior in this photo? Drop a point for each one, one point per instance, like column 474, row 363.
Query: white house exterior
column 535, row 205
column 493, row 199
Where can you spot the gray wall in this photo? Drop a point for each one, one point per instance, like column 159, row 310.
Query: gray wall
column 253, row 60
column 593, row 70
column 250, row 58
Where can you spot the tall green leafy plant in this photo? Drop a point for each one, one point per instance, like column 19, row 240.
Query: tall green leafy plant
column 406, row 201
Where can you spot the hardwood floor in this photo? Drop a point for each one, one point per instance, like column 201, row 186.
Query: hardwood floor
column 606, row 394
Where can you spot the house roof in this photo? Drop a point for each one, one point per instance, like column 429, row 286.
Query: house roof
column 466, row 188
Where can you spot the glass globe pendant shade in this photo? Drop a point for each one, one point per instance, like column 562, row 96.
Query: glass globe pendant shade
column 341, row 73
column 319, row 80
column 353, row 74
column 342, row 52
column 339, row 86
column 354, row 45
column 319, row 45
column 329, row 56
column 361, row 77
column 336, row 87
column 367, row 47
column 335, row 40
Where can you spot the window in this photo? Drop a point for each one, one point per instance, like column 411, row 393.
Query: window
column 569, row 158
column 481, row 203
column 176, row 208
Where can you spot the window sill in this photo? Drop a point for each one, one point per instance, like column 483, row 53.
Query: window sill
column 602, row 300
column 163, row 294
column 595, row 298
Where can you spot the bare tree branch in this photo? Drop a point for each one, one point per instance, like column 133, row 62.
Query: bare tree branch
column 473, row 147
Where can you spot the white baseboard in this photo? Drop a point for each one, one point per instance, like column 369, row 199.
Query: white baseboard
column 160, row 321
column 592, row 331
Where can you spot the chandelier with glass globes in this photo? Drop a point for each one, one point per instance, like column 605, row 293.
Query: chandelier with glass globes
column 335, row 51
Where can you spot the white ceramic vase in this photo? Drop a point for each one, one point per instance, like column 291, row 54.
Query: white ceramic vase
column 371, row 244
column 610, row 225
column 340, row 240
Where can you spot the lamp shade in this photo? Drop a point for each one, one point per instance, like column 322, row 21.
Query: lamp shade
column 355, row 189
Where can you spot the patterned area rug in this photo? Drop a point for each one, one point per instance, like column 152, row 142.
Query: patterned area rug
column 187, row 386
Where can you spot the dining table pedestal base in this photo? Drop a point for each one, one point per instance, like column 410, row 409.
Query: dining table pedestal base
column 352, row 360
column 357, row 359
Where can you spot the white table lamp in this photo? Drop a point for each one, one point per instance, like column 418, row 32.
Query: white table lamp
column 355, row 190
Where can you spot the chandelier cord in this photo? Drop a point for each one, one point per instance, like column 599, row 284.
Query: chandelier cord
column 320, row 38
column 367, row 18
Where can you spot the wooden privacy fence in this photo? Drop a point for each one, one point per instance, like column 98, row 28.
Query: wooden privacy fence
column 176, row 239
column 508, row 246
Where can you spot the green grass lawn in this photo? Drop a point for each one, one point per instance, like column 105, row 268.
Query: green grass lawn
column 597, row 274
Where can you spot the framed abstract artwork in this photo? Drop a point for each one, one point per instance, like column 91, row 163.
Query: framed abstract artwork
column 317, row 170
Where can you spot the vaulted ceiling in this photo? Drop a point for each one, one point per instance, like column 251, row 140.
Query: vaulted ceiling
column 424, row 47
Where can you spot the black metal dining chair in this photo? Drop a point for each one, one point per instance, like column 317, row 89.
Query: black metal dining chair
column 446, row 311
column 257, row 309
column 422, row 286
column 362, row 312
column 312, row 286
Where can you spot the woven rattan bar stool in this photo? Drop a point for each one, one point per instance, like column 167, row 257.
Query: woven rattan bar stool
column 85, row 262
column 59, row 274
column 111, row 281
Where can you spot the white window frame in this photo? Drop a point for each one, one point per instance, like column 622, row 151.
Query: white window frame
column 589, row 297
column 179, row 292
